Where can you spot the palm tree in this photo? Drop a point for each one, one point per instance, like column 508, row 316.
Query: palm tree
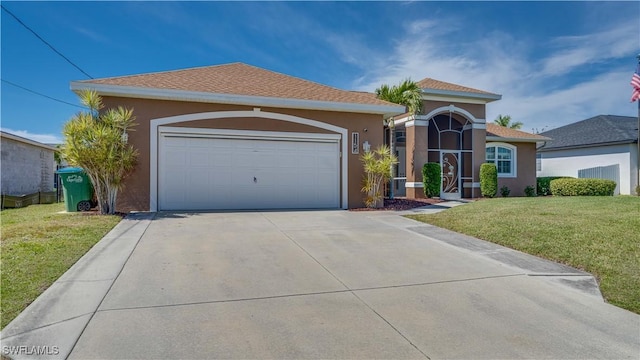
column 407, row 93
column 96, row 141
column 505, row 120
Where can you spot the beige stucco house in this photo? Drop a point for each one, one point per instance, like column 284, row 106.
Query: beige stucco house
column 235, row 136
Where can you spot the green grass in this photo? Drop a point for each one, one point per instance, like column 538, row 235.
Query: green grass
column 38, row 245
column 600, row 235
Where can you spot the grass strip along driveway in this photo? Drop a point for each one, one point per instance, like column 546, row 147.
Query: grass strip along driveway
column 38, row 244
column 599, row 235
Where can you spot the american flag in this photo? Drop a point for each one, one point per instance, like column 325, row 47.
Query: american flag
column 635, row 82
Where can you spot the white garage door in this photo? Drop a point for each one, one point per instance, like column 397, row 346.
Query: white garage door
column 202, row 169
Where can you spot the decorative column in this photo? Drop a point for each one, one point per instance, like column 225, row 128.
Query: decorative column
column 479, row 135
column 417, row 155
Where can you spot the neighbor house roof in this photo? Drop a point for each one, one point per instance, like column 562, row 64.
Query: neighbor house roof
column 238, row 83
column 500, row 133
column 437, row 87
column 24, row 140
column 595, row 131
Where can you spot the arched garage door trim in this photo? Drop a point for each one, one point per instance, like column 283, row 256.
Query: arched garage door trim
column 156, row 123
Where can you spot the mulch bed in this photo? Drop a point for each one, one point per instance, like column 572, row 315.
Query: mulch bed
column 396, row 204
column 399, row 203
column 96, row 211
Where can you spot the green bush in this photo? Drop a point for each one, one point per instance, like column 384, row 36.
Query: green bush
column 530, row 191
column 488, row 180
column 543, row 184
column 504, row 191
column 432, row 179
column 377, row 169
column 582, row 187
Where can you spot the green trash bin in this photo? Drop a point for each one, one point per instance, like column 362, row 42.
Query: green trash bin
column 78, row 191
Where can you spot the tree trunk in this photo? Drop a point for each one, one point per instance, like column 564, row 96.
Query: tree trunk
column 112, row 193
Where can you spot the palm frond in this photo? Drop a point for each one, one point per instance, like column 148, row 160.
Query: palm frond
column 406, row 93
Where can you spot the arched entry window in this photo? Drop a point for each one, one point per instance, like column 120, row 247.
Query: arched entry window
column 504, row 156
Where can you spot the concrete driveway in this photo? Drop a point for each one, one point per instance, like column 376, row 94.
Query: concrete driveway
column 316, row 284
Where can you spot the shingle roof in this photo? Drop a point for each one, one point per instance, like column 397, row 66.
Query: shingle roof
column 241, row 79
column 429, row 83
column 598, row 130
column 507, row 133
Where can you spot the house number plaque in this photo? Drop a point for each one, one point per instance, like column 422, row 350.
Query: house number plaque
column 355, row 143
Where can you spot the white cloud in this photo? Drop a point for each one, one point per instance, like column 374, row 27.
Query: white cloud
column 42, row 138
column 420, row 26
column 539, row 90
column 575, row 51
column 94, row 36
column 608, row 93
column 350, row 49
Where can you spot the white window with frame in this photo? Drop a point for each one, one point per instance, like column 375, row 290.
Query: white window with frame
column 538, row 162
column 504, row 156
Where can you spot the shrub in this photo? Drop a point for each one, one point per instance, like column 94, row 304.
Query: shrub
column 543, row 184
column 96, row 140
column 504, row 191
column 638, row 190
column 377, row 168
column 432, row 179
column 530, row 191
column 582, row 187
column 488, row 179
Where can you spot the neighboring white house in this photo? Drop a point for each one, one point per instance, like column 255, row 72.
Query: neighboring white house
column 604, row 146
column 27, row 166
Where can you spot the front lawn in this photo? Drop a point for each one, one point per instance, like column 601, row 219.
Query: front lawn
column 37, row 245
column 600, row 235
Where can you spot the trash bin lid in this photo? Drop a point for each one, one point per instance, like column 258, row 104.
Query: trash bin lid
column 69, row 170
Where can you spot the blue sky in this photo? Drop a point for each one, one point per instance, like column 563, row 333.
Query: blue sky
column 553, row 62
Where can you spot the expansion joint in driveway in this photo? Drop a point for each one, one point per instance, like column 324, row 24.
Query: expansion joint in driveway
column 347, row 290
column 391, row 325
column 114, row 280
column 353, row 291
column 4, row 338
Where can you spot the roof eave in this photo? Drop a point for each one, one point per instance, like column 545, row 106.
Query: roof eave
column 487, row 98
column 582, row 146
column 507, row 139
column 26, row 141
column 207, row 97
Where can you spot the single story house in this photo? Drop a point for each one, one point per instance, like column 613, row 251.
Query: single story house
column 235, row 136
column 28, row 166
column 604, row 146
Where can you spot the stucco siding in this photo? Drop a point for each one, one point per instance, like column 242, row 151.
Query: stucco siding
column 136, row 194
column 479, row 153
column 26, row 169
column 525, row 170
column 568, row 162
column 477, row 110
